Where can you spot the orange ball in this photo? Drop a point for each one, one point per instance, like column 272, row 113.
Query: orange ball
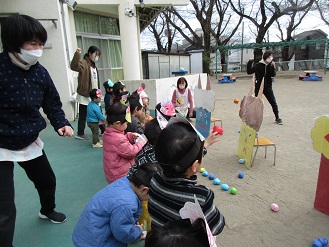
column 236, row 100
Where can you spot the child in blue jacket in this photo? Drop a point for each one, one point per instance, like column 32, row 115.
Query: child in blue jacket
column 95, row 116
column 110, row 217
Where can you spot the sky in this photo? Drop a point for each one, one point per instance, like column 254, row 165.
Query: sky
column 311, row 22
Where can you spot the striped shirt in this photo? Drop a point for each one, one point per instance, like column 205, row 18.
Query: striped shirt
column 168, row 195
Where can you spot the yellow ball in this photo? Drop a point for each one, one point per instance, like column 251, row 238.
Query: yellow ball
column 202, row 170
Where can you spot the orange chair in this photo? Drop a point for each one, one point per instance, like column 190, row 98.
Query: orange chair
column 263, row 142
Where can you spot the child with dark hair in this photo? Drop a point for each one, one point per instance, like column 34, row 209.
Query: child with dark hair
column 119, row 91
column 182, row 98
column 95, row 116
column 108, row 99
column 119, row 149
column 179, row 151
column 110, row 217
column 179, row 233
column 136, row 111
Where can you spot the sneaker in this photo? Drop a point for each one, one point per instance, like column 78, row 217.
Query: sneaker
column 279, row 121
column 54, row 217
column 82, row 137
column 97, row 145
column 101, row 142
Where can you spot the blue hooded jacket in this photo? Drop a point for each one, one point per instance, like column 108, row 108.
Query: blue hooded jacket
column 109, row 218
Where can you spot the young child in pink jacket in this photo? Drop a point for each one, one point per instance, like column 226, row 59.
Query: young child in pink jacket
column 119, row 149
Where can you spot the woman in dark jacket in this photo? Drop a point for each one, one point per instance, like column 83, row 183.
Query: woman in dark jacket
column 25, row 87
column 265, row 68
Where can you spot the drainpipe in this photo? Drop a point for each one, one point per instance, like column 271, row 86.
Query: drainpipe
column 65, row 34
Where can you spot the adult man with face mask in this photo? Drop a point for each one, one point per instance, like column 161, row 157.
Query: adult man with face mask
column 265, row 68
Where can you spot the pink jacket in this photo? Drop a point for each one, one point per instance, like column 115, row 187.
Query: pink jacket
column 119, row 151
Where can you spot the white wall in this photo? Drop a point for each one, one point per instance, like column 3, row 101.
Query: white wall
column 160, row 89
column 54, row 58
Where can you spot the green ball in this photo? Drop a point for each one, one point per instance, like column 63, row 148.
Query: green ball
column 233, row 191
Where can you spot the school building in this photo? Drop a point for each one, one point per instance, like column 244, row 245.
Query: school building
column 112, row 25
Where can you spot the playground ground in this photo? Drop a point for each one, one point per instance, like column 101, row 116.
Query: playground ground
column 291, row 183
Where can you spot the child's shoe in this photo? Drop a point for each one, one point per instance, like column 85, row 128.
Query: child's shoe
column 97, row 145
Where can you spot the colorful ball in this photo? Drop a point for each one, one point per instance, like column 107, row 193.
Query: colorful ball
column 225, row 187
column 241, row 161
column 218, row 129
column 211, row 176
column 233, row 191
column 216, row 181
column 202, row 170
column 205, row 173
column 241, row 175
column 275, row 207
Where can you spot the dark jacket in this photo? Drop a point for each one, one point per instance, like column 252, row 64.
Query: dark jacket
column 23, row 93
column 260, row 69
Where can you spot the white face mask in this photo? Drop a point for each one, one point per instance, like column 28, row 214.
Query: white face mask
column 95, row 59
column 181, row 86
column 30, row 56
column 269, row 59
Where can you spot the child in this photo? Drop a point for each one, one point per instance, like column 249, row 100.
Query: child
column 119, row 90
column 179, row 233
column 95, row 116
column 136, row 111
column 179, row 150
column 182, row 98
column 110, row 217
column 119, row 149
column 146, row 155
column 108, row 99
column 145, row 116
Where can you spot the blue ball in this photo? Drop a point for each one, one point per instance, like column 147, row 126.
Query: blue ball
column 317, row 243
column 241, row 175
column 205, row 173
column 216, row 181
column 211, row 176
column 323, row 241
column 225, row 187
column 241, row 161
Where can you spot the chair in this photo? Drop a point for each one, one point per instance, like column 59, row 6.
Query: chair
column 215, row 119
column 263, row 142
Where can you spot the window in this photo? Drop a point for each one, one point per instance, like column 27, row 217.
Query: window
column 303, row 47
column 102, row 32
column 317, row 46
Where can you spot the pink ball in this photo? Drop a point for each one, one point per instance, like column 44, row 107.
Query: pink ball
column 275, row 207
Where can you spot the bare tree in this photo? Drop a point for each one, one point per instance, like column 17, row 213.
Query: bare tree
column 203, row 13
column 323, row 8
column 264, row 13
column 221, row 30
column 294, row 20
column 163, row 32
